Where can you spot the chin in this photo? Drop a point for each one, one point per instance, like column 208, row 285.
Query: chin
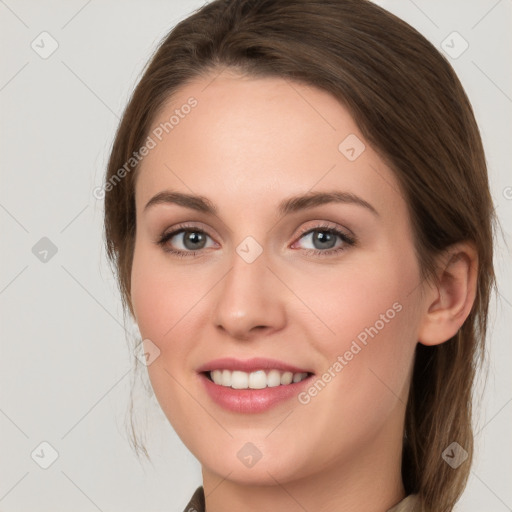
column 253, row 463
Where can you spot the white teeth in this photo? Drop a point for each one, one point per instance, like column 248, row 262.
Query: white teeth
column 258, row 380
column 273, row 378
column 287, row 378
column 239, row 380
column 216, row 376
column 255, row 380
column 297, row 377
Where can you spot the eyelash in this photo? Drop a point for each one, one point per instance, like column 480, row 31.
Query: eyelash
column 184, row 228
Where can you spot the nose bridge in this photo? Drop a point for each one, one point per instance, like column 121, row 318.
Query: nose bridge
column 247, row 297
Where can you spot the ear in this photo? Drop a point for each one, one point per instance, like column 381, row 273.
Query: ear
column 448, row 302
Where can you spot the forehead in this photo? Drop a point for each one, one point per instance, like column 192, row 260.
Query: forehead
column 251, row 140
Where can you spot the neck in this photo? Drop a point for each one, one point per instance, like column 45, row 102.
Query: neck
column 370, row 480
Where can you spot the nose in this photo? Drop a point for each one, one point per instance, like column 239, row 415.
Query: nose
column 250, row 300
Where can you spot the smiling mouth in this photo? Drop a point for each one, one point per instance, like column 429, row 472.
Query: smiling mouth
column 258, row 379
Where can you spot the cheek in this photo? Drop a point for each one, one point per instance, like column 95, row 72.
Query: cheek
column 161, row 295
column 163, row 301
column 353, row 298
column 373, row 320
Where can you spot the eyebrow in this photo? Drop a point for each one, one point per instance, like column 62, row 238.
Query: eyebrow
column 287, row 206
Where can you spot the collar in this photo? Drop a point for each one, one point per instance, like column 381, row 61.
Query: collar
column 197, row 504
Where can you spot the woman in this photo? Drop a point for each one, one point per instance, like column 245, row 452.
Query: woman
column 298, row 209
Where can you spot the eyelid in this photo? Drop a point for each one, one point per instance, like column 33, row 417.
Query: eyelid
column 181, row 228
column 344, row 234
column 327, row 225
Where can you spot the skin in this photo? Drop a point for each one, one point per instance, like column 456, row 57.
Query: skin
column 249, row 144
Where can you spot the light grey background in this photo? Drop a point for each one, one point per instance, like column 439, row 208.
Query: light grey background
column 65, row 366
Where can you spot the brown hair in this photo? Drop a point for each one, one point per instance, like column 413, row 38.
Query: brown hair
column 412, row 109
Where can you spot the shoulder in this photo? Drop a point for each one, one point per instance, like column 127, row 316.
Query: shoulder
column 408, row 504
column 196, row 503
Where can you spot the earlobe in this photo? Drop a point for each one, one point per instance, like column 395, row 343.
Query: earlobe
column 448, row 302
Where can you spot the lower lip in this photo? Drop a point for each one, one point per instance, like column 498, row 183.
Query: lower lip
column 248, row 401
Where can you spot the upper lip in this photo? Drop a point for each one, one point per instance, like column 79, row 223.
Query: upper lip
column 249, row 365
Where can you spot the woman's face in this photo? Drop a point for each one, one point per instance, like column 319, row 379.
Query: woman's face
column 263, row 277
